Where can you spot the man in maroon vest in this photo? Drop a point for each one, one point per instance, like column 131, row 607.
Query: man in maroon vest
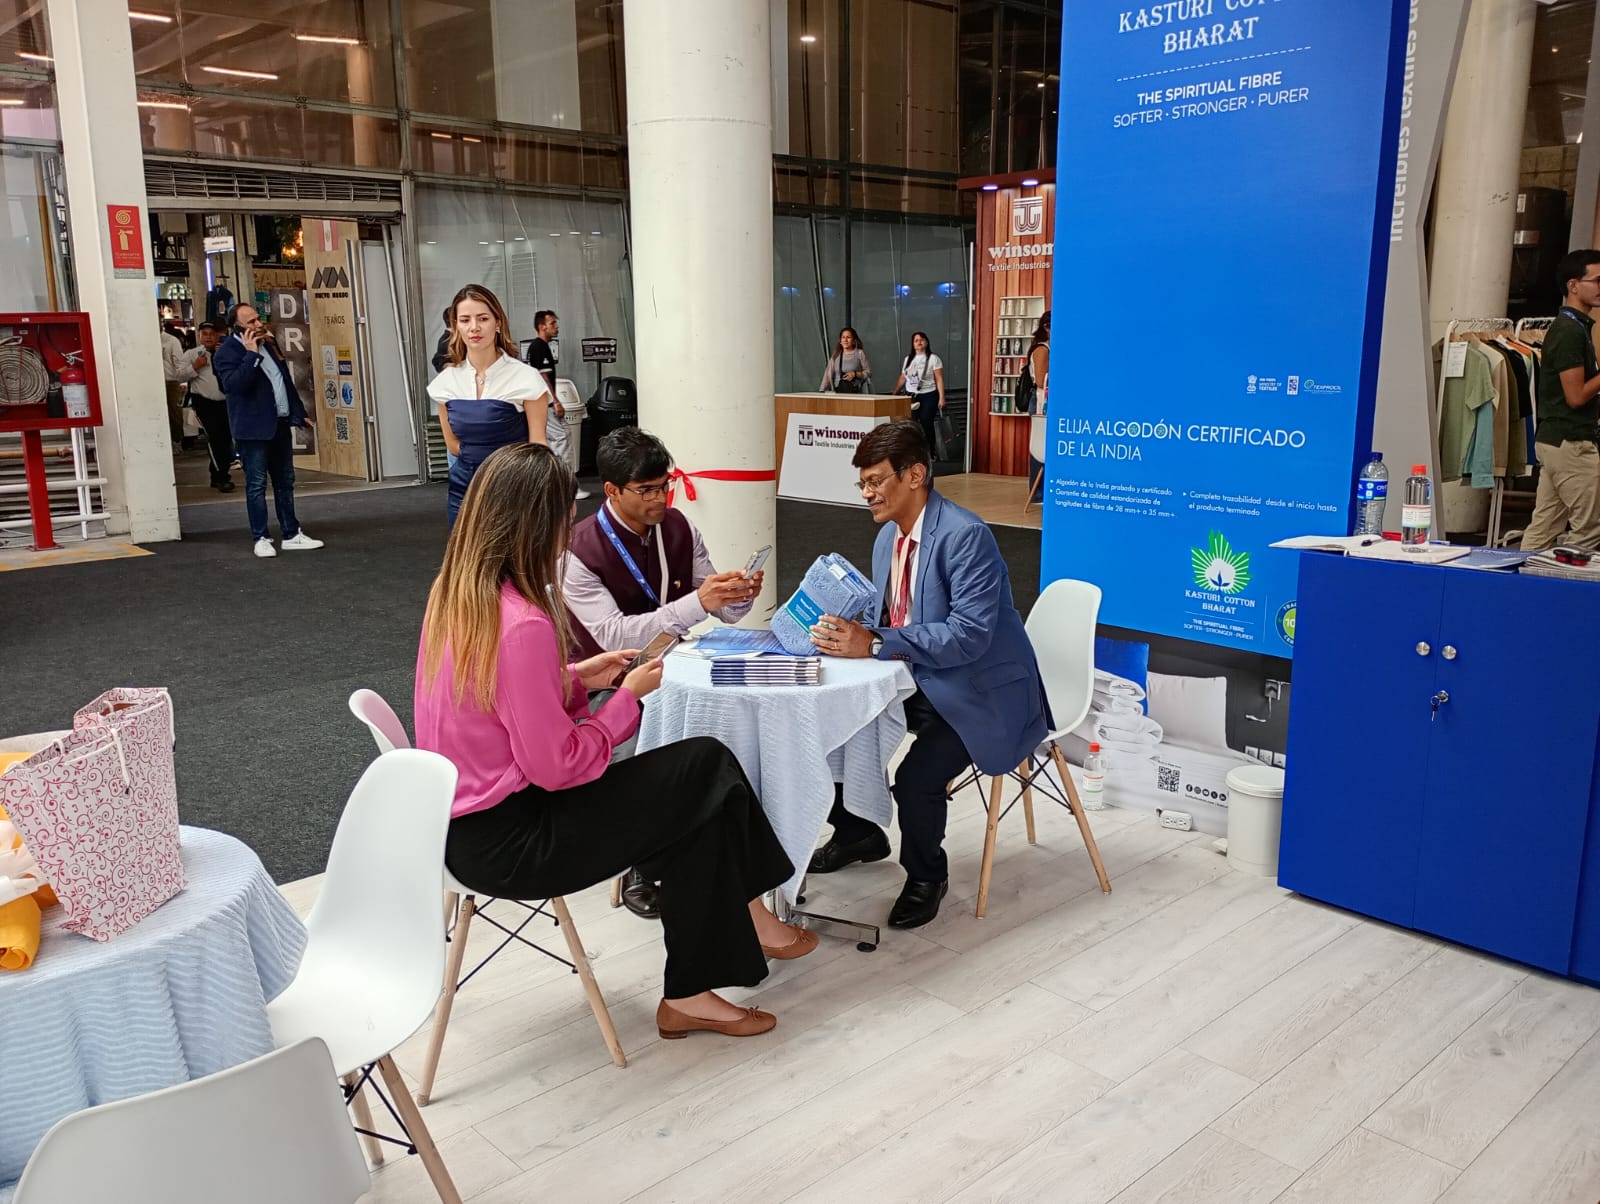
column 637, row 568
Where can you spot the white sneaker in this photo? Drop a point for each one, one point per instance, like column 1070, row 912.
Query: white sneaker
column 264, row 548
column 583, row 495
column 301, row 543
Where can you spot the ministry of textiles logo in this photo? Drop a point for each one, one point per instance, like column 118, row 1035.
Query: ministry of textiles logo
column 1250, row 383
column 1027, row 215
column 1218, row 567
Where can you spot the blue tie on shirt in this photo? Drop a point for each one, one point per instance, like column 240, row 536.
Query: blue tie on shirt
column 280, row 392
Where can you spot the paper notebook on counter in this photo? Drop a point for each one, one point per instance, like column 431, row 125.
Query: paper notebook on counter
column 1373, row 547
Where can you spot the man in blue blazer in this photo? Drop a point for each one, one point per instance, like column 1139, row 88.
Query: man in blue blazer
column 945, row 608
column 262, row 405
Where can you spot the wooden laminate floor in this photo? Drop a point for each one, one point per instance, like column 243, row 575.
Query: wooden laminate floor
column 1197, row 1035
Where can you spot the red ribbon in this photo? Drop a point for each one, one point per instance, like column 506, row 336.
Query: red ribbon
column 715, row 474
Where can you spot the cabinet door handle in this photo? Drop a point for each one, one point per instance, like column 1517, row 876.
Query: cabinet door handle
column 1449, row 652
column 1424, row 648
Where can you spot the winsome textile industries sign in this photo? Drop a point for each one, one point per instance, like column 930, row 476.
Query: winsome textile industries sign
column 1226, row 175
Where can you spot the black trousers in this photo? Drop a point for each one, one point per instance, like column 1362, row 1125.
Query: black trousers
column 685, row 814
column 927, row 413
column 936, row 756
column 213, row 416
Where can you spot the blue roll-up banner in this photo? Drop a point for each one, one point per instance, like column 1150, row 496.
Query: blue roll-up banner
column 1224, row 196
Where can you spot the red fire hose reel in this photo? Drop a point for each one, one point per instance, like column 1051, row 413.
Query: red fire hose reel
column 47, row 383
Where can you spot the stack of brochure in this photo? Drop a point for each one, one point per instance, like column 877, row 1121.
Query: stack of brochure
column 721, row 642
column 767, row 671
column 1545, row 564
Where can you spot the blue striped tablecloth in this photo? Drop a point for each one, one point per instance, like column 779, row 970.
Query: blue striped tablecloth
column 180, row 995
column 794, row 742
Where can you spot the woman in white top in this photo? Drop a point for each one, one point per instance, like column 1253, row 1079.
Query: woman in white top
column 922, row 376
column 484, row 391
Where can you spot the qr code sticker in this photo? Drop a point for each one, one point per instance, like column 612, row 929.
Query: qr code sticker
column 341, row 428
column 1167, row 778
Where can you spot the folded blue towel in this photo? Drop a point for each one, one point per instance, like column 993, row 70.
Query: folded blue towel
column 831, row 586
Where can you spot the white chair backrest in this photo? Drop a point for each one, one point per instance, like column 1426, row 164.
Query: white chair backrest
column 1037, row 426
column 385, row 726
column 379, row 904
column 271, row 1130
column 1061, row 629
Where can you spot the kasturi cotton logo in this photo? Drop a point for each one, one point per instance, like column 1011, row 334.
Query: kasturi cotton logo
column 1219, row 568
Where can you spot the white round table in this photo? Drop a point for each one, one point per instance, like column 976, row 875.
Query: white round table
column 181, row 994
column 794, row 742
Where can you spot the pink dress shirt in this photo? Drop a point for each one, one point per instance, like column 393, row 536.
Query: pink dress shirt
column 533, row 736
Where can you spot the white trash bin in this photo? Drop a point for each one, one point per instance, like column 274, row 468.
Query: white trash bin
column 1255, row 819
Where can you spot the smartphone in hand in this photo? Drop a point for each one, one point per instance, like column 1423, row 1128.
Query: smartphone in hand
column 660, row 646
column 757, row 561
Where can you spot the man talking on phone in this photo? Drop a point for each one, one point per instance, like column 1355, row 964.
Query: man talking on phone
column 262, row 405
column 638, row 568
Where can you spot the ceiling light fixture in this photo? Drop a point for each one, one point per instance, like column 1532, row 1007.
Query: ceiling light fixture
column 1030, row 182
column 1041, row 83
column 34, row 58
column 553, row 234
column 11, row 102
column 991, row 188
column 575, row 233
column 596, row 233
column 238, row 74
column 163, row 104
column 327, row 39
column 808, row 38
column 135, row 14
column 470, row 138
column 438, row 135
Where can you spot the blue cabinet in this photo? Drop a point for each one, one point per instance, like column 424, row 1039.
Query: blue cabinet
column 1442, row 756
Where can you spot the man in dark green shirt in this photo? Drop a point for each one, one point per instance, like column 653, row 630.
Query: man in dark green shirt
column 1569, row 416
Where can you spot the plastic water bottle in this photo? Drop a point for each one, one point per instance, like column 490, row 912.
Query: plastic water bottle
column 1372, row 492
column 1094, row 780
column 1417, row 515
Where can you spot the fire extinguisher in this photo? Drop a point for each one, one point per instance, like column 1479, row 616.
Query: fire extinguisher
column 75, row 387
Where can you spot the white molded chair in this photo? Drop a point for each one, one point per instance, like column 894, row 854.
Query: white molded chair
column 461, row 902
column 1038, row 427
column 370, row 974
column 1061, row 629
column 270, row 1130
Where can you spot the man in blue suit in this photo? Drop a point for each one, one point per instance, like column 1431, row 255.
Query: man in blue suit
column 262, row 405
column 945, row 608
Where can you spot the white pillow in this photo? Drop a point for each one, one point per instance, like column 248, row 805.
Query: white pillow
column 1192, row 710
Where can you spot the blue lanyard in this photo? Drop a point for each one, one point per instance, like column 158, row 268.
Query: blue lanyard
column 611, row 534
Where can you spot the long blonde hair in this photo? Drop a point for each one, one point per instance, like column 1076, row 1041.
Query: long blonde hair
column 513, row 526
column 457, row 350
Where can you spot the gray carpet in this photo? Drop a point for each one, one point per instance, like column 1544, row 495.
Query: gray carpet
column 261, row 655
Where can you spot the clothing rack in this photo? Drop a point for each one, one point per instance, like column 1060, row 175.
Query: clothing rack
column 1496, row 538
column 1469, row 326
column 1527, row 324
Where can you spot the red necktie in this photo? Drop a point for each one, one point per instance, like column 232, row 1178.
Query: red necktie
column 904, row 550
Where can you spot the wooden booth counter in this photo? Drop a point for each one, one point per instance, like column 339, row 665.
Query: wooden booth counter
column 848, row 405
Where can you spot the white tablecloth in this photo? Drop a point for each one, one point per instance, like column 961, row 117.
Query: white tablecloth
column 794, row 742
column 180, row 995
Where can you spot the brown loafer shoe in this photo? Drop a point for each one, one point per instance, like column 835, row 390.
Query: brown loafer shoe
column 804, row 942
column 674, row 1025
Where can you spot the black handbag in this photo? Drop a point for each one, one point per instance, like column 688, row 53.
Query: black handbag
column 944, row 438
column 850, row 386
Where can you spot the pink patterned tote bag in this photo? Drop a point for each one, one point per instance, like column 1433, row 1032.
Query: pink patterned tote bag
column 99, row 812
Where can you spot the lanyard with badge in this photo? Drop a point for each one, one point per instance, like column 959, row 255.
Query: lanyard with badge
column 638, row 576
column 1591, row 368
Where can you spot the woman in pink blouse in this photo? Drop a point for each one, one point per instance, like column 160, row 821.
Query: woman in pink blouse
column 540, row 810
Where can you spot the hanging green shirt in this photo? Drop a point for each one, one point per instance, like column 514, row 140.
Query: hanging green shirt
column 1568, row 344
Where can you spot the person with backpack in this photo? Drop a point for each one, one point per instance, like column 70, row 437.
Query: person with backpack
column 922, row 376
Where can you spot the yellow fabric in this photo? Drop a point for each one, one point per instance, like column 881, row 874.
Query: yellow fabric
column 19, row 933
column 8, row 759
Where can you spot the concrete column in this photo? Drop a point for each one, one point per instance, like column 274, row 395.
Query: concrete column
column 104, row 165
column 700, row 170
column 1586, row 200
column 1475, row 201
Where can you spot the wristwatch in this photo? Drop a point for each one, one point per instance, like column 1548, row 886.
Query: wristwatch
column 876, row 646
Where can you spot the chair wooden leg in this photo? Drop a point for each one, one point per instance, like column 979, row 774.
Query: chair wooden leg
column 447, row 998
column 996, row 786
column 591, row 988
column 1076, row 807
column 1033, row 487
column 418, row 1131
column 616, row 891
column 1023, row 771
column 363, row 1116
